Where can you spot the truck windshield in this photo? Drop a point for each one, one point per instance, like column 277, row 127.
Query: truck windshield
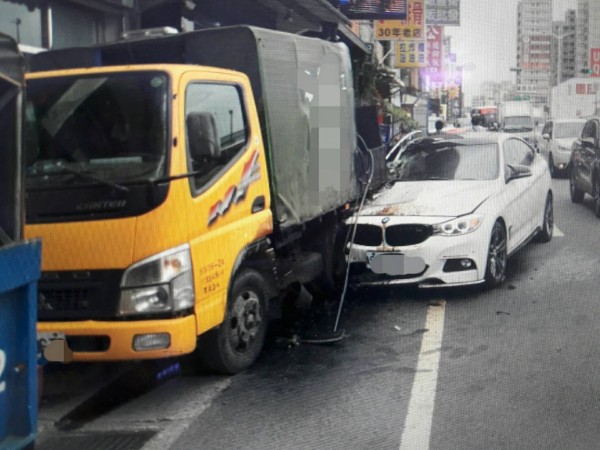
column 518, row 123
column 96, row 130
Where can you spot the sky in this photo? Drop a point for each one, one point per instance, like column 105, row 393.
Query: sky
column 486, row 39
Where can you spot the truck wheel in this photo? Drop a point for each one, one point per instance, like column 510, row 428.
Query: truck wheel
column 237, row 342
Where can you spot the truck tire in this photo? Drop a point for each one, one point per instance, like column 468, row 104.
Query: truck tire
column 234, row 345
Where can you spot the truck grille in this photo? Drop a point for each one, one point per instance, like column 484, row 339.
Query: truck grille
column 400, row 235
column 64, row 300
column 69, row 295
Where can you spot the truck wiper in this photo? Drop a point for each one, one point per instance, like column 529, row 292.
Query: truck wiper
column 87, row 176
column 175, row 177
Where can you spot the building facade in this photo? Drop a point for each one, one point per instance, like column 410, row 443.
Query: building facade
column 588, row 32
column 564, row 48
column 534, row 34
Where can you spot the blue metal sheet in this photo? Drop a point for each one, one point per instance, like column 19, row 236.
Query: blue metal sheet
column 19, row 272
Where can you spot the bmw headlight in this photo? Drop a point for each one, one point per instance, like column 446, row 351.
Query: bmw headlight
column 159, row 284
column 459, row 226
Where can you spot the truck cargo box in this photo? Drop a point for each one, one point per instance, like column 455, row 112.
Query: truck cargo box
column 303, row 88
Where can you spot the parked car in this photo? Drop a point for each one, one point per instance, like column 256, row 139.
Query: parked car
column 585, row 164
column 458, row 209
column 393, row 154
column 557, row 138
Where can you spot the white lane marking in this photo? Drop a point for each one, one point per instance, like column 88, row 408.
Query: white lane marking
column 417, row 425
column 557, row 232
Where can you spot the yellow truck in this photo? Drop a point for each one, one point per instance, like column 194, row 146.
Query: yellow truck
column 181, row 183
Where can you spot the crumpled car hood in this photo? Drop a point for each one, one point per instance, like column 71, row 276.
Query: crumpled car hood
column 430, row 198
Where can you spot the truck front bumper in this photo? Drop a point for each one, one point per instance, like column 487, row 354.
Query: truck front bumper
column 117, row 341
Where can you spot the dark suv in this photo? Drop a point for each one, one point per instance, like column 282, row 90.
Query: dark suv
column 585, row 164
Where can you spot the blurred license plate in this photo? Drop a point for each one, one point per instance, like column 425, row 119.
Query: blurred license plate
column 52, row 346
column 395, row 263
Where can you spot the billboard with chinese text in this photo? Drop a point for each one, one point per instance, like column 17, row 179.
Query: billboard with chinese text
column 412, row 28
column 434, row 69
column 410, row 53
column 442, row 12
column 373, row 9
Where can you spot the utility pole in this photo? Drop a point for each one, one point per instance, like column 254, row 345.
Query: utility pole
column 560, row 38
column 18, row 22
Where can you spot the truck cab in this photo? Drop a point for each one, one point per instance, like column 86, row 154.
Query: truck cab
column 134, row 177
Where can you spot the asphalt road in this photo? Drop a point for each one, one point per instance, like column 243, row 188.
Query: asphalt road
column 511, row 368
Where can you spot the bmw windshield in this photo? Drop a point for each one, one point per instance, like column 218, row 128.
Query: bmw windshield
column 448, row 161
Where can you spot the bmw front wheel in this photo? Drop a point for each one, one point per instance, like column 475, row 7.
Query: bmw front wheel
column 495, row 271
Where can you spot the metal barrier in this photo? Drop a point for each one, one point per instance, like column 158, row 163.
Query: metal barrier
column 19, row 272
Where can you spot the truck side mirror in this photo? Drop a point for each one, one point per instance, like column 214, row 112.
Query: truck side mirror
column 203, row 139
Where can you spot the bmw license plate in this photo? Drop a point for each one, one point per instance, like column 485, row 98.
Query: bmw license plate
column 395, row 263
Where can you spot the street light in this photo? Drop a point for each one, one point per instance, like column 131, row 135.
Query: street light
column 517, row 70
column 560, row 37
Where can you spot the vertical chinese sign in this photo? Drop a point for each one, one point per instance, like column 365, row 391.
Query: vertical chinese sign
column 408, row 36
column 595, row 61
column 433, row 73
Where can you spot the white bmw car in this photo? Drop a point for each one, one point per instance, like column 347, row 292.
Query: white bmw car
column 456, row 210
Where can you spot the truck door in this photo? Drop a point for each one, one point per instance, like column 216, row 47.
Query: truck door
column 229, row 187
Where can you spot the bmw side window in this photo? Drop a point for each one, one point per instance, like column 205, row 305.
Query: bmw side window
column 518, row 153
column 525, row 154
column 216, row 130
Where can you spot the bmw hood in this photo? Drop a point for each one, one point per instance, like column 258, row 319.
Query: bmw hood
column 430, row 198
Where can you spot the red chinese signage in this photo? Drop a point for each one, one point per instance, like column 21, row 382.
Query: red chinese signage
column 595, row 61
column 585, row 89
column 435, row 54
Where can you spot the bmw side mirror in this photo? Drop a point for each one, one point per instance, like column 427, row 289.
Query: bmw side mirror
column 517, row 172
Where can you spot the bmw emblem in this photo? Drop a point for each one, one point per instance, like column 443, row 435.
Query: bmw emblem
column 385, row 220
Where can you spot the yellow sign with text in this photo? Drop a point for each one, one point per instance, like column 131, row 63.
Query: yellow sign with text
column 410, row 54
column 412, row 28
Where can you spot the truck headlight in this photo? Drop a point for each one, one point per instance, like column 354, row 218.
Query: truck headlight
column 160, row 283
column 459, row 226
